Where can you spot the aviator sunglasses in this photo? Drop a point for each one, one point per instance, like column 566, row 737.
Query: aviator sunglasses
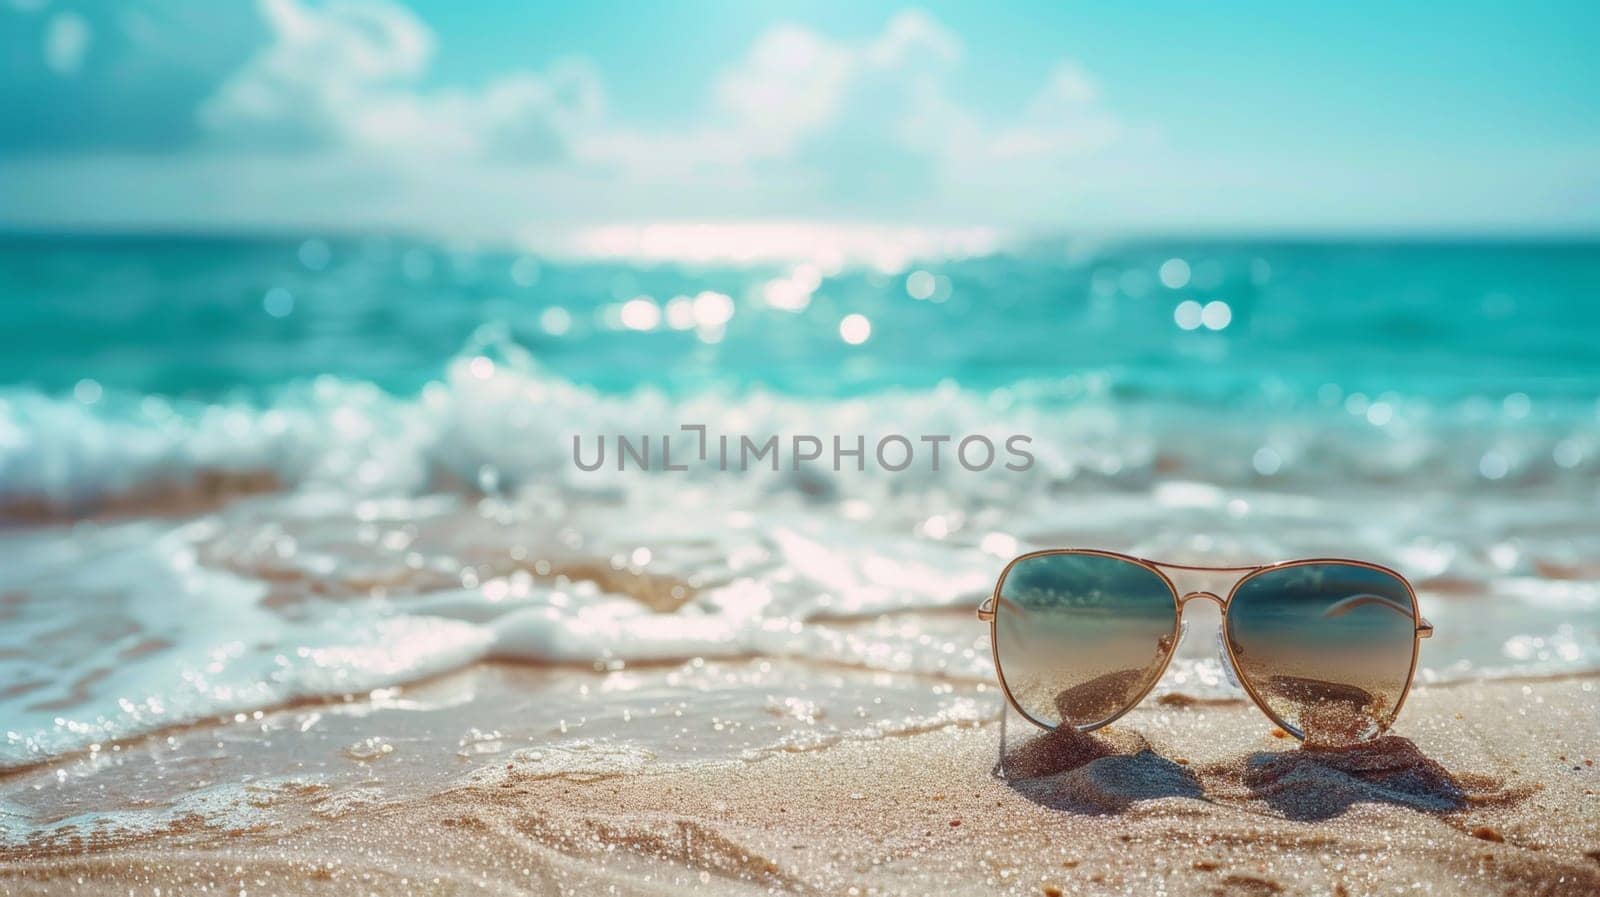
column 1325, row 647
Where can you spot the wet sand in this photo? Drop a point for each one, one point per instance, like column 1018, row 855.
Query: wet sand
column 1483, row 789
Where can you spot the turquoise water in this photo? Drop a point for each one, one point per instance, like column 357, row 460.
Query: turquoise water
column 129, row 365
column 201, row 318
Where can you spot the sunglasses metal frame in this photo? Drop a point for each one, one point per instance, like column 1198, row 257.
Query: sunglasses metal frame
column 989, row 609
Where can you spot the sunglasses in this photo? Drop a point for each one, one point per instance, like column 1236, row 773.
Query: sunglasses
column 1325, row 647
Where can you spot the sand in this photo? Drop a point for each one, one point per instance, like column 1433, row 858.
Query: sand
column 1483, row 789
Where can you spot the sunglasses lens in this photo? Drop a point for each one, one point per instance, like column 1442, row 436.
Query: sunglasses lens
column 1080, row 637
column 1328, row 648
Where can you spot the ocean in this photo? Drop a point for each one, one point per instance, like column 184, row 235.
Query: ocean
column 243, row 474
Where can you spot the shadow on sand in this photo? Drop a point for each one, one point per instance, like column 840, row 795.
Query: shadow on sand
column 1109, row 770
column 1098, row 773
column 1316, row 782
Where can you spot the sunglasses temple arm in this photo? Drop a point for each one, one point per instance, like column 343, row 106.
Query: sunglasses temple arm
column 987, row 608
column 1424, row 628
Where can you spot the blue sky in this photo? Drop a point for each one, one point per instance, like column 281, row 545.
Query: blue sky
column 500, row 118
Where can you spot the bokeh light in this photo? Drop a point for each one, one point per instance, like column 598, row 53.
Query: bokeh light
column 1175, row 274
column 855, row 329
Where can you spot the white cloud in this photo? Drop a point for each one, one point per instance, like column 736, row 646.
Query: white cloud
column 66, row 42
column 795, row 82
column 796, row 85
column 799, row 126
column 345, row 76
column 339, row 122
column 802, row 117
column 799, row 104
column 788, row 84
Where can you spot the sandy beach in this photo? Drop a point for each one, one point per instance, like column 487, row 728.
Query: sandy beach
column 1486, row 788
column 628, row 449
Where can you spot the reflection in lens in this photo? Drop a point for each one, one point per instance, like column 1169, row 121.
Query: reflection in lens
column 1327, row 647
column 1080, row 637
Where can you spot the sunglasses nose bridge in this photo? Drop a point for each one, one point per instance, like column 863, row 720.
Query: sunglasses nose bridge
column 1191, row 596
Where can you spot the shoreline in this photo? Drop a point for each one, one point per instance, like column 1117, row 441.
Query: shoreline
column 517, row 669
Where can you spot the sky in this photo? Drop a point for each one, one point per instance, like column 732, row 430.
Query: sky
column 493, row 119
